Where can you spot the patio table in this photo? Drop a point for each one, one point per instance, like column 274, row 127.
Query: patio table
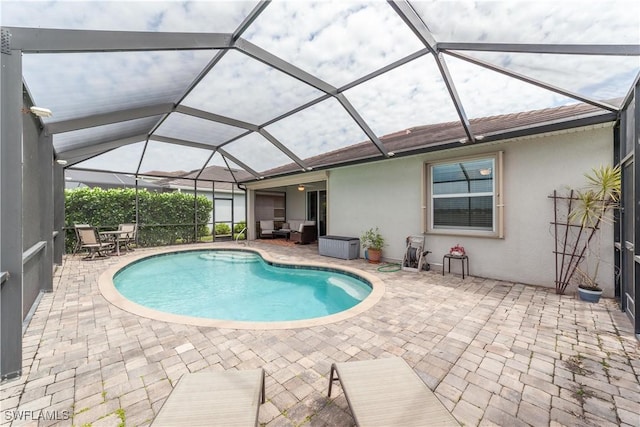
column 116, row 237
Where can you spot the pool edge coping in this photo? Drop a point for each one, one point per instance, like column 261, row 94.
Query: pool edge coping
column 111, row 294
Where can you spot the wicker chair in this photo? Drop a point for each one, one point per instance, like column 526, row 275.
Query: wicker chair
column 304, row 237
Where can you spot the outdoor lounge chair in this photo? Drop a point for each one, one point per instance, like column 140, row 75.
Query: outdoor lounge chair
column 221, row 398
column 89, row 239
column 305, row 234
column 76, row 247
column 130, row 236
column 387, row 392
column 266, row 228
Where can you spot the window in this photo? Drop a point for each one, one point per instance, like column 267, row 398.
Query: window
column 463, row 196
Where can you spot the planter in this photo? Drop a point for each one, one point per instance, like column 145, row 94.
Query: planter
column 589, row 295
column 374, row 255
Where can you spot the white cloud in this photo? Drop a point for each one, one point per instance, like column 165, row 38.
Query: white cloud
column 338, row 41
column 263, row 154
column 522, row 21
column 245, row 89
column 141, row 15
column 323, row 127
column 160, row 156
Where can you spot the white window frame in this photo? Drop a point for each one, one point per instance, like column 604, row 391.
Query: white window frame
column 497, row 230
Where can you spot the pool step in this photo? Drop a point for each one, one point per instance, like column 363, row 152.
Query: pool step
column 233, row 257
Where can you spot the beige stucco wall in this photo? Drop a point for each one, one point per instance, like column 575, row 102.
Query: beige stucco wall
column 389, row 196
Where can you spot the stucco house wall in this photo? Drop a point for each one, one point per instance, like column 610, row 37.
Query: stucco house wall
column 391, row 196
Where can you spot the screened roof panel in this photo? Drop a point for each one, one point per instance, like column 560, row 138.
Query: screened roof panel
column 248, row 90
column 411, row 95
column 99, row 134
column 123, row 159
column 194, row 129
column 84, row 84
column 257, row 153
column 217, row 160
column 161, row 158
column 344, row 49
column 193, row 16
column 479, row 88
column 323, row 127
column 608, row 77
column 337, row 41
column 591, row 22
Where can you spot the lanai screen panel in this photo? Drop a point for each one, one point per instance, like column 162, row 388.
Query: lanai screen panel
column 248, row 90
column 362, row 50
column 193, row 16
column 478, row 89
column 589, row 22
column 84, row 84
column 411, row 95
column 318, row 129
column 172, row 159
column 194, row 129
column 100, row 134
column 594, row 76
column 257, row 152
column 224, row 171
column 337, row 41
column 123, row 159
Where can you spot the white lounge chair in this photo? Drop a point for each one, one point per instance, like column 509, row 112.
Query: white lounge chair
column 209, row 399
column 387, row 392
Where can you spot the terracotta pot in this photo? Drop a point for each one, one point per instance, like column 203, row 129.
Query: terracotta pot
column 374, row 255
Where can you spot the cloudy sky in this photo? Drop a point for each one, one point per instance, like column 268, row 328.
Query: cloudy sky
column 337, row 42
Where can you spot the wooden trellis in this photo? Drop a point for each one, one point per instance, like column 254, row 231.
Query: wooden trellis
column 570, row 247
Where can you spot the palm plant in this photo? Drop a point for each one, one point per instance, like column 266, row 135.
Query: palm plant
column 594, row 205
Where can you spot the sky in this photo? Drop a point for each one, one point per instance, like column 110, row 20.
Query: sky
column 336, row 41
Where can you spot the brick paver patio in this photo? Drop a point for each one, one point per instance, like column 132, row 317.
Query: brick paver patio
column 495, row 353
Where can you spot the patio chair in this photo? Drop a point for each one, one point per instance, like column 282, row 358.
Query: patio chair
column 89, row 239
column 304, row 235
column 266, row 228
column 223, row 398
column 76, row 247
column 387, row 392
column 131, row 231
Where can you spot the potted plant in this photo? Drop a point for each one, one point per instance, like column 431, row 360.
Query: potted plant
column 457, row 250
column 372, row 241
column 588, row 289
column 593, row 206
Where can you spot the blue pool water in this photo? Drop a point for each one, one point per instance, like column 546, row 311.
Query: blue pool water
column 237, row 285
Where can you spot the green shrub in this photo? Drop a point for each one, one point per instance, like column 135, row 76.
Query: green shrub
column 222, row 229
column 163, row 218
column 237, row 229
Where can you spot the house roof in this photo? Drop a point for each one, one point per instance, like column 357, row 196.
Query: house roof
column 221, row 177
column 447, row 135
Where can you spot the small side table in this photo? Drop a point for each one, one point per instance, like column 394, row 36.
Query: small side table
column 462, row 259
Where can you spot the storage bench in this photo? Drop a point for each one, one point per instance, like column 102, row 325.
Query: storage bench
column 339, row 247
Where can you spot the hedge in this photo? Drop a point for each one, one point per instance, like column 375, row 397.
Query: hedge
column 164, row 218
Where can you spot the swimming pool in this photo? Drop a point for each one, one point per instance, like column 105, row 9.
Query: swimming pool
column 238, row 286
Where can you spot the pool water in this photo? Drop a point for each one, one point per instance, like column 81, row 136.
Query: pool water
column 237, row 285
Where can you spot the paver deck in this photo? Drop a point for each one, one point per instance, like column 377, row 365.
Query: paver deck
column 494, row 353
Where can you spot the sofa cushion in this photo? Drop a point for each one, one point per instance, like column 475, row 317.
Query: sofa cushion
column 266, row 225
